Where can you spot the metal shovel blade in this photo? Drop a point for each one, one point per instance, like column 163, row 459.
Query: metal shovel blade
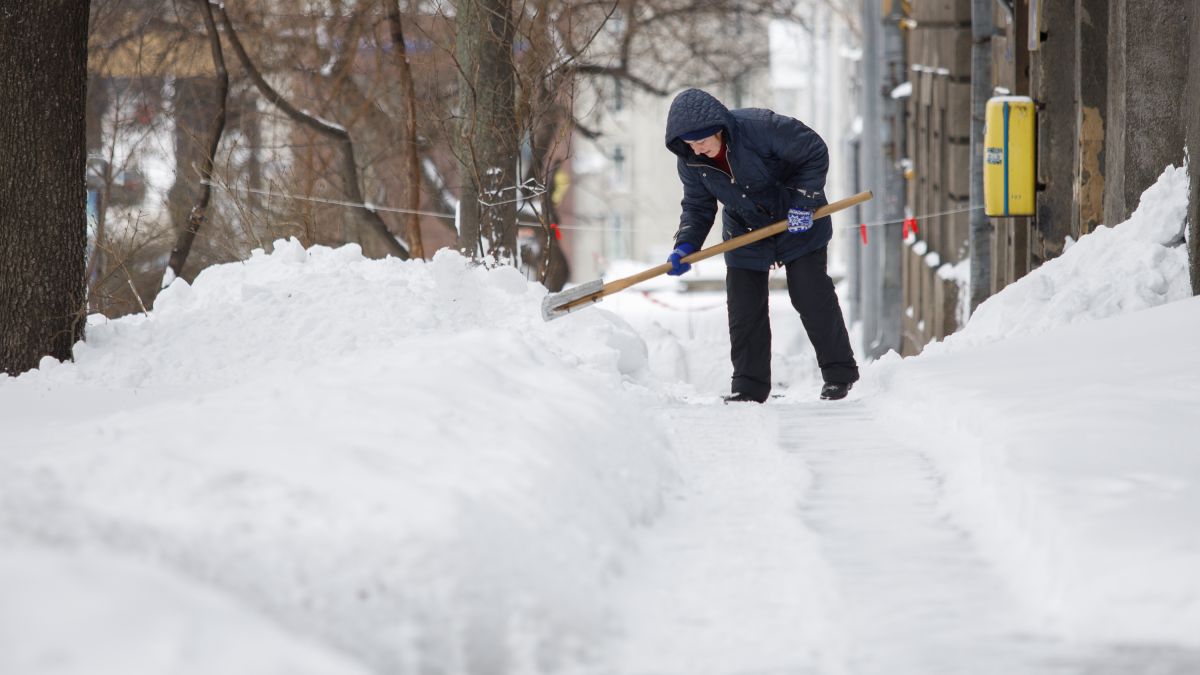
column 555, row 305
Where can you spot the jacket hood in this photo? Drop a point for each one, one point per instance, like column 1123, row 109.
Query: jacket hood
column 694, row 109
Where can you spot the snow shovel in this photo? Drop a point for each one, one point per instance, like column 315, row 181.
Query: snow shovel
column 560, row 304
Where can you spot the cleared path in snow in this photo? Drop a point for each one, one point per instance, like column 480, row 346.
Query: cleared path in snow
column 804, row 538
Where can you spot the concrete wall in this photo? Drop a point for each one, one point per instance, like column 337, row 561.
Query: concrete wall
column 938, row 146
column 1091, row 97
column 1145, row 77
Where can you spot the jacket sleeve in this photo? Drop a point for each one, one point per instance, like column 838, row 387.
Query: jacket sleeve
column 805, row 160
column 699, row 208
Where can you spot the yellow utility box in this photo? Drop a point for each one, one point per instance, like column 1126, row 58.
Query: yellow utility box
column 1009, row 157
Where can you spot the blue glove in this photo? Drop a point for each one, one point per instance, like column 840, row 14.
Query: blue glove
column 799, row 220
column 682, row 250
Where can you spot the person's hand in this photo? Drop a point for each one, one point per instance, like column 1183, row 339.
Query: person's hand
column 799, row 220
column 683, row 250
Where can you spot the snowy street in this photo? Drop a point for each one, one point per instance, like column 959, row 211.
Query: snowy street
column 671, row 337
column 311, row 461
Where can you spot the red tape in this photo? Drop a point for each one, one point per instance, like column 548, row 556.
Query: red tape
column 862, row 229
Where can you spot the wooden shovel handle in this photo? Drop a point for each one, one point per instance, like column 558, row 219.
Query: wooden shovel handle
column 737, row 242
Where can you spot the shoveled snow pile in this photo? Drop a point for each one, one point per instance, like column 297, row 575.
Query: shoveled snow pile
column 294, row 306
column 398, row 459
column 1135, row 265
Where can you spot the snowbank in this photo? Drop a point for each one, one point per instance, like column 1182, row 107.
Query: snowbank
column 1113, row 270
column 399, row 459
column 276, row 312
column 1060, row 415
column 88, row 613
column 1069, row 457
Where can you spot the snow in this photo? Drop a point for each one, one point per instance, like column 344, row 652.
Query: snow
column 401, row 459
column 1082, row 483
column 106, row 606
column 1072, row 385
column 314, row 462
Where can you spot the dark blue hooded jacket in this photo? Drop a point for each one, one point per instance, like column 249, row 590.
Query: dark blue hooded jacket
column 777, row 163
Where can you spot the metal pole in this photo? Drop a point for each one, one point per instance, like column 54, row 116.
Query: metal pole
column 850, row 236
column 881, row 269
column 871, row 176
column 893, row 185
column 981, row 88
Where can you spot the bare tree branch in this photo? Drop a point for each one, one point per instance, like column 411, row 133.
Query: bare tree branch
column 335, row 132
column 621, row 72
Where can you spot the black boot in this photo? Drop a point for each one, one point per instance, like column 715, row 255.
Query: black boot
column 737, row 397
column 833, row 391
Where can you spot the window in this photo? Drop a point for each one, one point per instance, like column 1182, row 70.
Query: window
column 620, row 169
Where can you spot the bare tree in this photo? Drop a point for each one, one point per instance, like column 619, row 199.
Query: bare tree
column 199, row 212
column 350, row 174
column 149, row 87
column 394, row 77
column 43, row 47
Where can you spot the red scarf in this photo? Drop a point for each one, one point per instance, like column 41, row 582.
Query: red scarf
column 720, row 159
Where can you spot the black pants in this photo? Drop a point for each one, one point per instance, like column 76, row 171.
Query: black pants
column 812, row 294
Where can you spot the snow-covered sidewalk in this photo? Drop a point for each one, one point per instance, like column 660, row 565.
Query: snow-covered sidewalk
column 811, row 538
column 730, row 579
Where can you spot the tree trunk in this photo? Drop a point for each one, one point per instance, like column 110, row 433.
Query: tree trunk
column 199, row 211
column 43, row 231
column 412, row 227
column 551, row 265
column 487, row 132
